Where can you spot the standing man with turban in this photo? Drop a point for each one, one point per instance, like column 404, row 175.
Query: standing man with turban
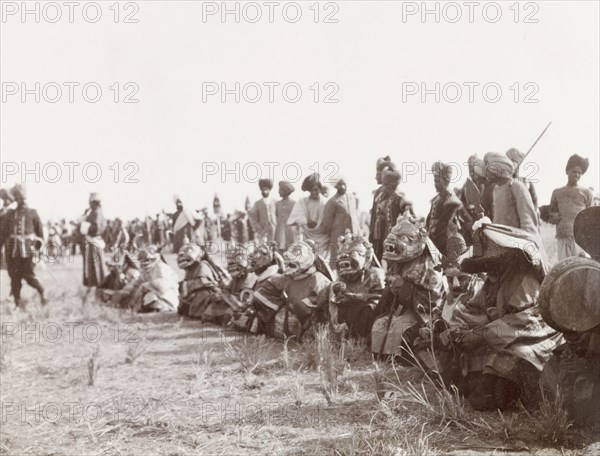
column 566, row 203
column 284, row 234
column 91, row 228
column 339, row 215
column 388, row 205
column 442, row 220
column 183, row 224
column 23, row 234
column 517, row 158
column 512, row 201
column 471, row 197
column 307, row 215
column 262, row 215
column 382, row 164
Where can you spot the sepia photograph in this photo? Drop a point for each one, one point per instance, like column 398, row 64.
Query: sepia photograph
column 320, row 228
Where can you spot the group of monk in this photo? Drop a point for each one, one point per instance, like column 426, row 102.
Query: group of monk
column 464, row 280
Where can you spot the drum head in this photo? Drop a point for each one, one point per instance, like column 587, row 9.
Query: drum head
column 587, row 231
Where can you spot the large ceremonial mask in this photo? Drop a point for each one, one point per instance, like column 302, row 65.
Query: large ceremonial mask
column 148, row 257
column 355, row 255
column 264, row 255
column 238, row 263
column 299, row 258
column 406, row 241
column 189, row 254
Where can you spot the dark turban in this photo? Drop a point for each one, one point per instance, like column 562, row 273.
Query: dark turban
column 391, row 177
column 265, row 183
column 19, row 191
column 498, row 165
column 576, row 160
column 384, row 162
column 311, row 181
column 286, row 187
column 442, row 169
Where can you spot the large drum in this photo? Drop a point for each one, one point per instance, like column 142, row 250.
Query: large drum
column 570, row 295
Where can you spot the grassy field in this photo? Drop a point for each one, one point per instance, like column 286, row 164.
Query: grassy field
column 91, row 380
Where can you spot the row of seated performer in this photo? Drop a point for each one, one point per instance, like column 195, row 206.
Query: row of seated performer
column 471, row 316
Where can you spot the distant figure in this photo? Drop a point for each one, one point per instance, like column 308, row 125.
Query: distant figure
column 284, row 234
column 91, row 229
column 23, row 234
column 262, row 215
column 566, row 203
column 512, row 201
column 183, row 224
column 339, row 215
column 441, row 220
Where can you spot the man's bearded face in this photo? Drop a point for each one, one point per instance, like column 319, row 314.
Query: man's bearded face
column 265, row 192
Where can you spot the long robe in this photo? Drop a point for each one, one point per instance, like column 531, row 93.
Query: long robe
column 284, row 234
column 92, row 248
column 263, row 219
column 513, row 207
column 338, row 216
column 309, row 210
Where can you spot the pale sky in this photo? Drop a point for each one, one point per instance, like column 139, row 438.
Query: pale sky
column 370, row 54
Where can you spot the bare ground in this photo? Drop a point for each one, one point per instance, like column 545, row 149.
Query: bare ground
column 163, row 384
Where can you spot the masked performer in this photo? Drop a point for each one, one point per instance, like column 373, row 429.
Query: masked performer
column 287, row 305
column 200, row 292
column 354, row 297
column 502, row 340
column 250, row 269
column 158, row 282
column 414, row 287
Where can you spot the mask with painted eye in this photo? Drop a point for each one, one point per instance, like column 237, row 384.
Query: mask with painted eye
column 148, row 257
column 237, row 261
column 406, row 241
column 355, row 254
column 261, row 258
column 299, row 257
column 188, row 255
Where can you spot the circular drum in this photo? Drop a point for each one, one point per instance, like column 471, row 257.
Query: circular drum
column 587, row 231
column 570, row 295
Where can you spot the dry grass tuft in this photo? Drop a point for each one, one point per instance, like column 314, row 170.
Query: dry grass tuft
column 5, row 347
column 252, row 353
column 93, row 365
column 331, row 362
column 551, row 421
column 135, row 349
